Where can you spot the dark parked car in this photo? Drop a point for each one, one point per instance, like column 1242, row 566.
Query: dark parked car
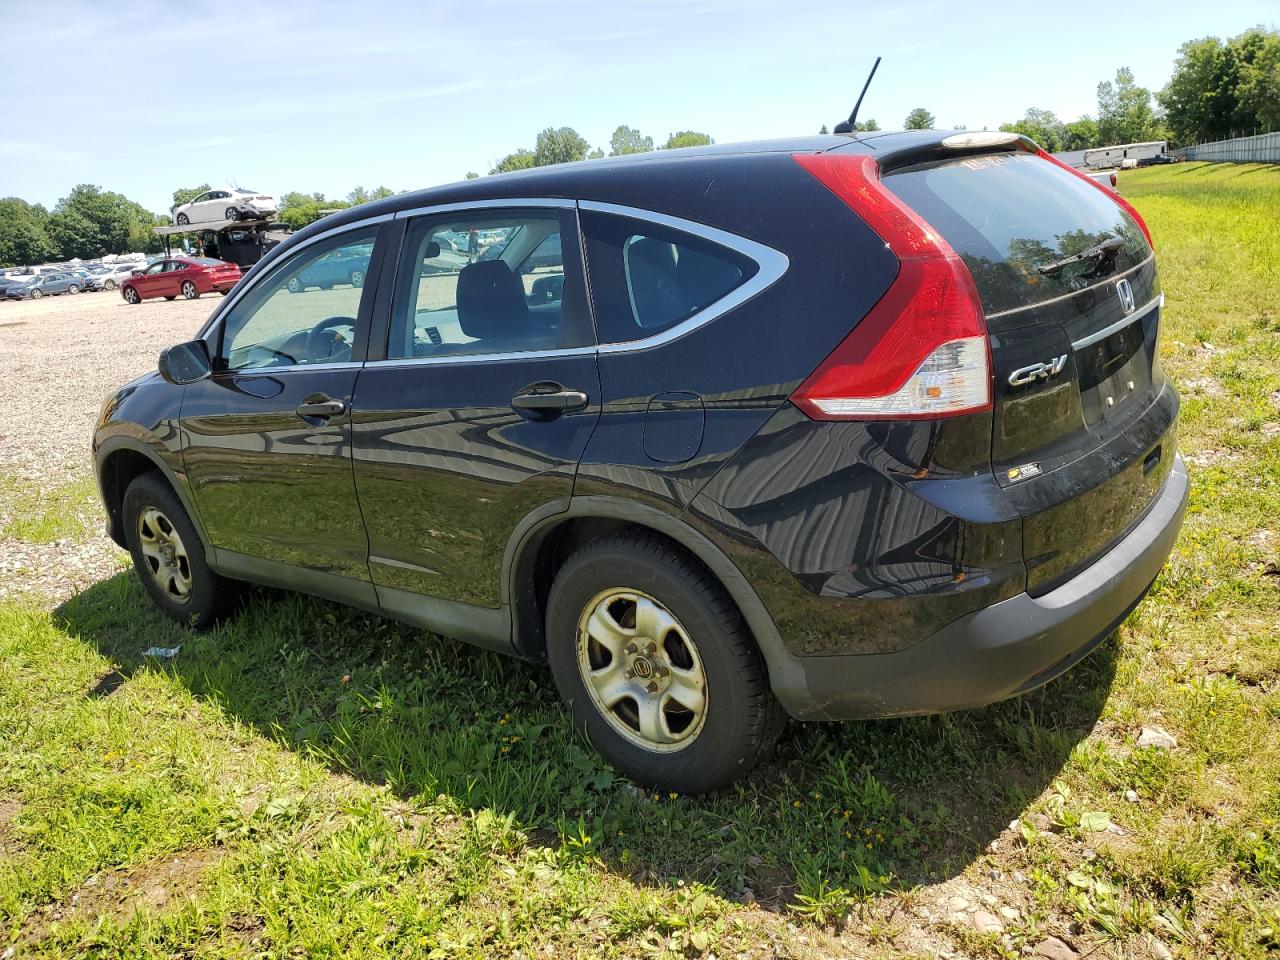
column 48, row 285
column 187, row 277
column 837, row 427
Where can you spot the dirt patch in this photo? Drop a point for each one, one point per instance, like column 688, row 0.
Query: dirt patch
column 116, row 895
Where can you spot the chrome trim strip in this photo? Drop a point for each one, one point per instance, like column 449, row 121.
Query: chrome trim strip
column 1118, row 325
column 291, row 368
column 482, row 357
column 1075, row 293
column 555, row 203
column 771, row 265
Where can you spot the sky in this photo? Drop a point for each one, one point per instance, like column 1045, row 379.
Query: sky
column 143, row 98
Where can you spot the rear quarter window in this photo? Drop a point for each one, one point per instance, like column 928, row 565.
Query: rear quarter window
column 647, row 278
column 1009, row 214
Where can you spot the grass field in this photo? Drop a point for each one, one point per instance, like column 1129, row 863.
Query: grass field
column 308, row 780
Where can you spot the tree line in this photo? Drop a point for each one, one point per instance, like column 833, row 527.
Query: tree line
column 565, row 145
column 1219, row 89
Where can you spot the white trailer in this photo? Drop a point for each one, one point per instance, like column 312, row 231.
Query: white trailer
column 1106, row 158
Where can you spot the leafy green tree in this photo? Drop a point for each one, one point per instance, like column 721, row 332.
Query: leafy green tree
column 187, row 194
column 471, row 175
column 297, row 210
column 628, row 140
column 360, row 195
column 1042, row 126
column 687, row 138
column 1259, row 88
column 596, row 154
column 866, row 126
column 1125, row 114
column 559, row 145
column 824, row 131
column 1200, row 98
column 24, row 239
column 919, row 119
column 1080, row 134
column 522, row 159
column 90, row 222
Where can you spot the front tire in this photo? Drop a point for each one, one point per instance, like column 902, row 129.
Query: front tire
column 183, row 220
column 109, row 285
column 168, row 556
column 37, row 294
column 189, row 290
column 657, row 665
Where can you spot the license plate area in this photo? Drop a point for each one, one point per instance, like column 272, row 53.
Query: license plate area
column 1116, row 372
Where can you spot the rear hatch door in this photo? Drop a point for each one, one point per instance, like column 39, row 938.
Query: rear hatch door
column 1081, row 428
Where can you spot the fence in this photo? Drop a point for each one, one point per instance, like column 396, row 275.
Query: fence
column 1264, row 148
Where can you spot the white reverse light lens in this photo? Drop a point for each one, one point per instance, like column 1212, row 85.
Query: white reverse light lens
column 953, row 378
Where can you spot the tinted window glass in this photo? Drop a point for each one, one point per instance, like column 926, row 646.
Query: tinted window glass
column 303, row 311
column 488, row 282
column 646, row 278
column 1010, row 214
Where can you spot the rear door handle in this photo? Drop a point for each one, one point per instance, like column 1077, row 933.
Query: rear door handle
column 559, row 400
column 547, row 400
column 320, row 407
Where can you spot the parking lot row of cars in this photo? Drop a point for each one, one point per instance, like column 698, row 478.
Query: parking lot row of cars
column 169, row 277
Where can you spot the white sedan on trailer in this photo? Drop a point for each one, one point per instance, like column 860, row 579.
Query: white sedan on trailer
column 230, row 203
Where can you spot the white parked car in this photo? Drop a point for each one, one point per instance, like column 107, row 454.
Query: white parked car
column 112, row 277
column 230, row 203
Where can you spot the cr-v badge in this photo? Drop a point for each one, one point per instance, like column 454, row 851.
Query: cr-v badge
column 1037, row 371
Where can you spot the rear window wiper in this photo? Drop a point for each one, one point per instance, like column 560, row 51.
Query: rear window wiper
column 1107, row 248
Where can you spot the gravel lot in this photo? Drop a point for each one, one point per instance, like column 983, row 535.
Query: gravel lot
column 60, row 357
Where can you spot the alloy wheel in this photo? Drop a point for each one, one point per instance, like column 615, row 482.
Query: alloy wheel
column 357, row 278
column 189, row 290
column 642, row 670
column 165, row 554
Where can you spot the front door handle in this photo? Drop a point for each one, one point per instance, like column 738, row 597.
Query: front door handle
column 548, row 399
column 320, row 407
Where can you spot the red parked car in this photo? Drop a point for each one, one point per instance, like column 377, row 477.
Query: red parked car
column 186, row 277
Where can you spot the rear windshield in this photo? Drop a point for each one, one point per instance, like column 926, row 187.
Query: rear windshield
column 206, row 262
column 1009, row 215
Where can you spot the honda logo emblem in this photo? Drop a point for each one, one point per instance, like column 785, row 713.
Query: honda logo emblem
column 1125, row 293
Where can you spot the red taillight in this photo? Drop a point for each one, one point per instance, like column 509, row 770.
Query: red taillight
column 922, row 351
column 1114, row 182
column 1124, row 204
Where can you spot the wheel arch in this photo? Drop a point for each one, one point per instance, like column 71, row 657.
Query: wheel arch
column 120, row 461
column 546, row 539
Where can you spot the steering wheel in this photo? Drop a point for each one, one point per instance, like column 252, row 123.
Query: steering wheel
column 325, row 342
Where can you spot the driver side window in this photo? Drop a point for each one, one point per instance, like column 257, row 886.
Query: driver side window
column 304, row 311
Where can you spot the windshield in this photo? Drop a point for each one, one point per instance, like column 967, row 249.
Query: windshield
column 1008, row 215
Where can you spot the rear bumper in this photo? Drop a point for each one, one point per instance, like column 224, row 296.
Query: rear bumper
column 222, row 285
column 1006, row 649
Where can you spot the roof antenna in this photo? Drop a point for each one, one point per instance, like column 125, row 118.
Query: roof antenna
column 850, row 125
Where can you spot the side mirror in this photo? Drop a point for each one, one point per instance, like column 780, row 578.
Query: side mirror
column 186, row 362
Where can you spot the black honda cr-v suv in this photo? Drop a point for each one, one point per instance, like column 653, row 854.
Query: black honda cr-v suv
column 836, row 427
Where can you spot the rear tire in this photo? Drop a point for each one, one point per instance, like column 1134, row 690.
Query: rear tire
column 691, row 707
column 189, row 290
column 231, row 213
column 73, row 289
column 168, row 556
column 131, row 296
